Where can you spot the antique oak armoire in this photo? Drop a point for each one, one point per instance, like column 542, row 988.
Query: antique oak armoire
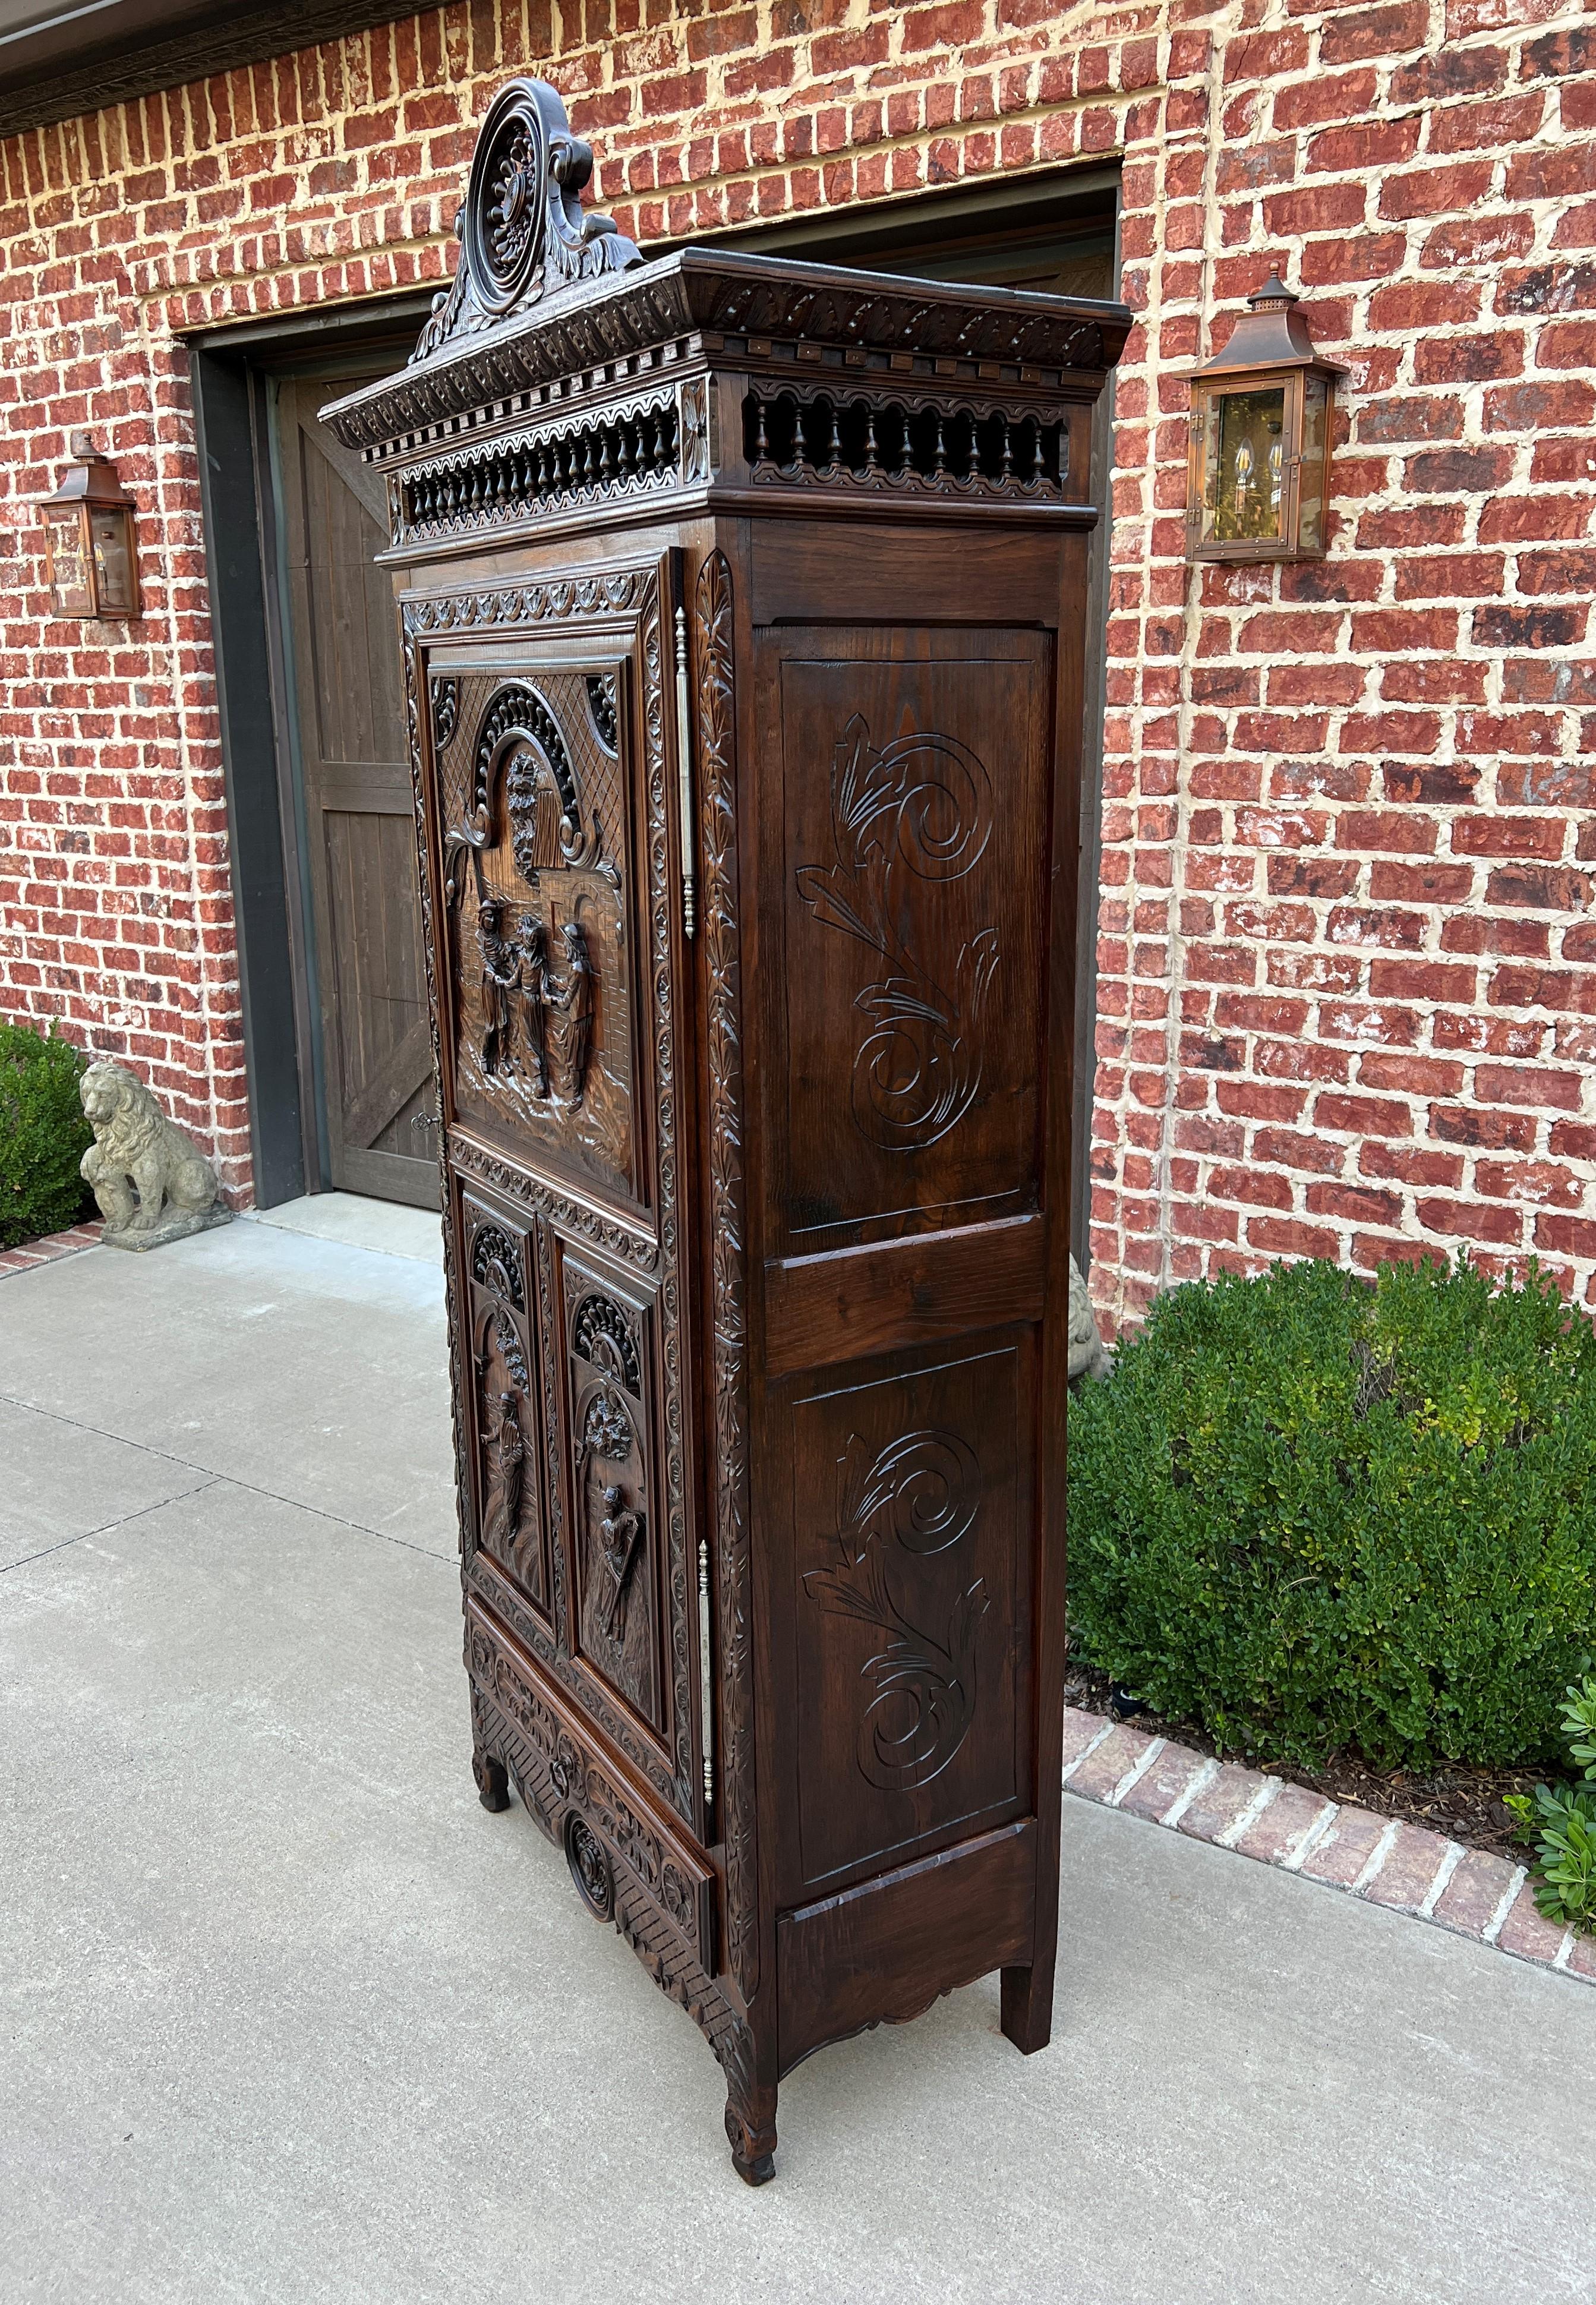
column 743, row 619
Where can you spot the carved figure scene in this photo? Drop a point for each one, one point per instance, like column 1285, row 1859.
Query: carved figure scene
column 509, row 1526
column 151, row 1182
column 535, row 895
column 609, row 1464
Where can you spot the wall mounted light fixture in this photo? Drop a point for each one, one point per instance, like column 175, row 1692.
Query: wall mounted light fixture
column 1258, row 466
column 89, row 541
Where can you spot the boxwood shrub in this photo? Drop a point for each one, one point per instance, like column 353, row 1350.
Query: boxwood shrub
column 1315, row 1514
column 42, row 1135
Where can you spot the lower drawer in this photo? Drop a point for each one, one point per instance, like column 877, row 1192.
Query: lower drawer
column 620, row 1848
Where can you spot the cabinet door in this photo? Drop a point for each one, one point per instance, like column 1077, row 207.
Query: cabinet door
column 549, row 816
column 907, row 823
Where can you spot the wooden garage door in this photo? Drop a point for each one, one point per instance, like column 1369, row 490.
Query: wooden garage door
column 370, row 992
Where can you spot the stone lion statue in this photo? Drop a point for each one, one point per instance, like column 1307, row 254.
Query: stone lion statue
column 152, row 1182
column 1089, row 1356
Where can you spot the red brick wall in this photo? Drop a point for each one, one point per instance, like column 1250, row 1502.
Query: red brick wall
column 1348, row 978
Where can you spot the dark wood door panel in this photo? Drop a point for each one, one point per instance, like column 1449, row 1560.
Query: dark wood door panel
column 906, row 1589
column 915, row 817
column 375, row 1052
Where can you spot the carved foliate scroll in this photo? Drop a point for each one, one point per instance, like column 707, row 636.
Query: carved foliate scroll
column 921, row 807
column 523, row 231
column 713, row 654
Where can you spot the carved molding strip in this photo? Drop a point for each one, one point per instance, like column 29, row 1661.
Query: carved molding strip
column 660, row 916
column 758, row 310
column 630, row 1243
column 426, row 615
column 728, row 1231
column 452, row 1293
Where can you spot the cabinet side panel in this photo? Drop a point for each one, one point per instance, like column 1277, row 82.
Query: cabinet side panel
column 915, row 806
column 909, row 1584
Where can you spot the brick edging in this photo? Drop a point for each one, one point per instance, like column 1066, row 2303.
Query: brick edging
column 1401, row 1867
column 53, row 1245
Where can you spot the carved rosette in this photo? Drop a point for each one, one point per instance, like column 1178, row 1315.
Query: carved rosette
column 523, row 231
column 712, row 634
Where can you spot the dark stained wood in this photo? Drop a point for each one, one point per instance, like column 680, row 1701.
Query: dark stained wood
column 882, row 1953
column 354, row 767
column 744, row 653
column 819, row 1310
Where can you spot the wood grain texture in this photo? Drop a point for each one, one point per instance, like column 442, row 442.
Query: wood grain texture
column 821, row 1310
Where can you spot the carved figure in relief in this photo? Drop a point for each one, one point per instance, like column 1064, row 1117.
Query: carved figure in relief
column 620, row 1534
column 499, row 969
column 506, row 1467
column 606, row 1432
column 152, row 1184
column 571, row 1022
column 921, row 806
column 921, row 1493
column 532, row 986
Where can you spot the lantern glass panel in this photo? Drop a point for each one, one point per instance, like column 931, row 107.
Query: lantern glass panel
column 112, row 533
column 71, row 577
column 1246, row 459
column 1315, row 420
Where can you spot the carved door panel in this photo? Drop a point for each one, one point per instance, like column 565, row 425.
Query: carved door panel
column 609, row 1351
column 503, row 1422
column 539, row 870
column 554, row 938
column 904, row 859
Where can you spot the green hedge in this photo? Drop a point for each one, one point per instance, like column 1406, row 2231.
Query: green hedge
column 1315, row 1515
column 42, row 1135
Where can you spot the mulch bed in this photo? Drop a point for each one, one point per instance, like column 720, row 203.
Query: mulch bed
column 1464, row 1803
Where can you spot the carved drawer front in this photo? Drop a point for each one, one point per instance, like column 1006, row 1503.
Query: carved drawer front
column 632, row 1866
column 501, row 1407
column 915, row 769
column 909, row 1607
column 533, row 776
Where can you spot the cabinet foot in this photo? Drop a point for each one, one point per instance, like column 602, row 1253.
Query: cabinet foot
column 753, row 2151
column 750, row 2103
column 493, row 1782
column 1027, row 2007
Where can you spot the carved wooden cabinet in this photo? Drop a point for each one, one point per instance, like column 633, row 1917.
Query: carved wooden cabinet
column 743, row 619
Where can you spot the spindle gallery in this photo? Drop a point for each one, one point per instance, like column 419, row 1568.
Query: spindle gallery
column 744, row 605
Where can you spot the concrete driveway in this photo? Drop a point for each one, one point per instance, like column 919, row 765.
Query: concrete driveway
column 285, row 2015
